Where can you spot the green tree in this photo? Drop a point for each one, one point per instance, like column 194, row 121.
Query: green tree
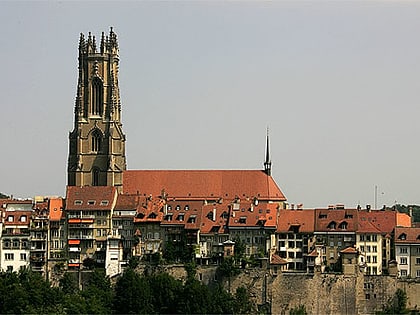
column 167, row 292
column 397, row 304
column 133, row 294
column 98, row 293
column 242, row 304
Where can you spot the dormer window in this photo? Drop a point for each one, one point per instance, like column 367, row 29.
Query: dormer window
column 343, row 225
column 180, row 217
column 242, row 220
column 332, row 225
column 104, row 202
column 168, row 217
column 10, row 218
column 140, row 215
column 192, row 219
column 23, row 218
column 322, row 216
column 91, row 202
column 169, row 207
column 78, row 202
column 178, row 207
column 402, row 236
column 187, row 207
column 152, row 215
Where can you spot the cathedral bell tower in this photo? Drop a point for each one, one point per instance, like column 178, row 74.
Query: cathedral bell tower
column 97, row 142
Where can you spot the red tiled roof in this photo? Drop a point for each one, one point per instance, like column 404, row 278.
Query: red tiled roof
column 127, row 202
column 325, row 217
column 55, row 208
column 412, row 235
column 376, row 221
column 248, row 215
column 79, row 198
column 349, row 250
column 277, row 260
column 304, row 219
column 203, row 184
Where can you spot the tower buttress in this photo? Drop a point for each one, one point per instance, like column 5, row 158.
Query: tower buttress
column 97, row 142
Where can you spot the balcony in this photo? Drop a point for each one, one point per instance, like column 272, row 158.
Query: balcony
column 80, row 226
column 78, row 216
column 74, row 249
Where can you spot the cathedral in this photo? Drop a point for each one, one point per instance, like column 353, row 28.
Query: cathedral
column 114, row 213
column 97, row 142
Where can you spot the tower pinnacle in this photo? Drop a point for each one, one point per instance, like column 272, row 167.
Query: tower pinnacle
column 267, row 163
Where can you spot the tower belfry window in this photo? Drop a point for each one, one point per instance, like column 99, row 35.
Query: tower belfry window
column 96, row 141
column 97, row 97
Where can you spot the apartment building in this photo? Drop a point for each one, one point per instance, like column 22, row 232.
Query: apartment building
column 407, row 249
column 89, row 212
column 15, row 236
column 295, row 238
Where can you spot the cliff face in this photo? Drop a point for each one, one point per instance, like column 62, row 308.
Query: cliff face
column 319, row 293
column 325, row 293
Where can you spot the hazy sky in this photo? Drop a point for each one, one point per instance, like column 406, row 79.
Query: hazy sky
column 338, row 84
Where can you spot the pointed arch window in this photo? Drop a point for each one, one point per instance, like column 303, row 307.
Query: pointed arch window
column 96, row 141
column 95, row 177
column 97, row 97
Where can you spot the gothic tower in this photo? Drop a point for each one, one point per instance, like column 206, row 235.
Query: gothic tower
column 97, row 142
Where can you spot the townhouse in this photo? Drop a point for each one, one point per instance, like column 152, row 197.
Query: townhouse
column 407, row 249
column 295, row 238
column 89, row 212
column 335, row 230
column 15, row 236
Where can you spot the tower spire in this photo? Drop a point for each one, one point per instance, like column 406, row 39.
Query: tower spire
column 267, row 163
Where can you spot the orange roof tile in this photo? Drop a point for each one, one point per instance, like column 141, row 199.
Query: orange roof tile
column 349, row 250
column 248, row 215
column 56, row 208
column 376, row 221
column 277, row 260
column 407, row 235
column 325, row 218
column 302, row 219
column 203, row 184
column 90, row 197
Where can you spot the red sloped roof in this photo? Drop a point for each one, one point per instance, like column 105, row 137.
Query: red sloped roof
column 324, row 217
column 412, row 235
column 98, row 194
column 349, row 250
column 304, row 219
column 248, row 215
column 56, row 208
column 277, row 260
column 376, row 221
column 202, row 183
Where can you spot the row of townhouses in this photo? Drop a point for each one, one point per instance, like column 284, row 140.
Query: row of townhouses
column 99, row 226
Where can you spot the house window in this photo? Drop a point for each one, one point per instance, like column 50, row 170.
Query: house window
column 418, row 273
column 403, row 260
column 403, row 250
column 374, row 238
column 362, row 248
column 403, row 273
column 23, row 256
column 362, row 238
column 6, row 244
column 343, row 225
column 368, row 248
column 23, row 218
column 374, row 259
column 10, row 218
column 332, row 225
column 417, row 261
column 291, row 244
column 374, row 248
column 9, row 256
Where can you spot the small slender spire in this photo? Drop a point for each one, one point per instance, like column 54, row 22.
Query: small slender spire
column 267, row 163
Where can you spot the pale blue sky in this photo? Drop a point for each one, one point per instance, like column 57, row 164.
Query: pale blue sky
column 338, row 83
